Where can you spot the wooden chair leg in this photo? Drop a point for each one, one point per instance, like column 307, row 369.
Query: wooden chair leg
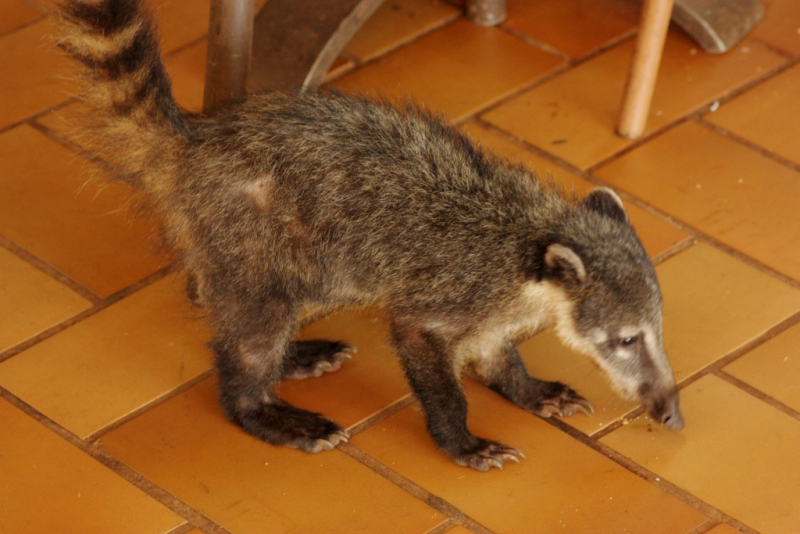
column 230, row 41
column 644, row 69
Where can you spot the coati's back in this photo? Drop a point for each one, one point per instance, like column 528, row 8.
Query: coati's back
column 384, row 203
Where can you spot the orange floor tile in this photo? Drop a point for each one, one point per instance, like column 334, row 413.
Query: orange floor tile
column 109, row 420
column 593, row 23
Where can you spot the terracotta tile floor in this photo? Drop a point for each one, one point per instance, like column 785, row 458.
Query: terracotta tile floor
column 108, row 413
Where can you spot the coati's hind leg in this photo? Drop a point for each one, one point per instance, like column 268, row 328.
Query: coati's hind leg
column 313, row 358
column 505, row 373
column 251, row 358
column 430, row 369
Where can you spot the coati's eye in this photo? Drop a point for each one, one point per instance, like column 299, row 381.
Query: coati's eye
column 628, row 341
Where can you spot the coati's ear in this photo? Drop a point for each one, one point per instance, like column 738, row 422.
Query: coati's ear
column 564, row 266
column 606, row 202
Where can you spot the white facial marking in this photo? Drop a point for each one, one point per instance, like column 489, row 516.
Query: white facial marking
column 622, row 353
column 598, row 336
column 629, row 331
column 657, row 354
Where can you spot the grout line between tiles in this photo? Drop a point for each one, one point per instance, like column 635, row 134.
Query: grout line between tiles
column 96, row 436
column 757, row 393
column 75, row 319
column 358, row 61
column 23, row 25
column 512, row 93
column 435, row 502
column 529, row 147
column 36, row 115
column 744, row 258
column 674, row 250
column 541, row 45
column 79, row 151
column 622, row 421
column 126, row 473
column 645, row 138
column 749, row 144
column 573, row 61
column 737, row 353
column 37, row 6
column 156, row 492
column 568, row 65
column 765, row 44
column 664, row 485
column 50, row 271
column 380, row 415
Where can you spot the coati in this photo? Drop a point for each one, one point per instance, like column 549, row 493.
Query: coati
column 288, row 206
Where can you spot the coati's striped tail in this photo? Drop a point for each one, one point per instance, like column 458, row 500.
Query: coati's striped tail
column 132, row 121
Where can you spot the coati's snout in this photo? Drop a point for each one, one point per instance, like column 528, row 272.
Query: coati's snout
column 637, row 365
column 664, row 407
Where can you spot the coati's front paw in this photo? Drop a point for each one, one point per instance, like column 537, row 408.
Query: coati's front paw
column 487, row 454
column 314, row 445
column 313, row 358
column 560, row 400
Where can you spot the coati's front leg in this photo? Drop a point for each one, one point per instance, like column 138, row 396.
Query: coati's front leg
column 505, row 373
column 252, row 356
column 431, row 371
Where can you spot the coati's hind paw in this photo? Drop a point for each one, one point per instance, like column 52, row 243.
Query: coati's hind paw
column 560, row 400
column 283, row 424
column 313, row 358
column 487, row 454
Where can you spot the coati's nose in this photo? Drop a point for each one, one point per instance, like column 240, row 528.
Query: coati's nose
column 668, row 411
column 673, row 418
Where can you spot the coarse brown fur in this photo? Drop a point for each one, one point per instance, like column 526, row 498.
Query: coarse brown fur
column 286, row 206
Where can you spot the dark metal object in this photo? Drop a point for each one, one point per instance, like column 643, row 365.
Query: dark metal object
column 486, row 12
column 717, row 25
column 298, row 40
column 230, row 38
